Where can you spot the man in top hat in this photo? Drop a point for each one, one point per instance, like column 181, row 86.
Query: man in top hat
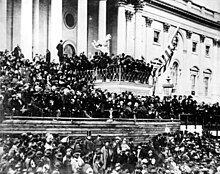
column 17, row 51
column 60, row 51
column 48, row 56
column 88, row 145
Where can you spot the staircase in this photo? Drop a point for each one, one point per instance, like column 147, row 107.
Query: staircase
column 139, row 130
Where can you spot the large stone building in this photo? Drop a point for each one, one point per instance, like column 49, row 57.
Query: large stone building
column 138, row 28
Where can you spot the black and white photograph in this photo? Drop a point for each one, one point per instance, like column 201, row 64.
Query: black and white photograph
column 109, row 86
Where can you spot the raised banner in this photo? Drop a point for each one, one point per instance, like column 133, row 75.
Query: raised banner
column 163, row 62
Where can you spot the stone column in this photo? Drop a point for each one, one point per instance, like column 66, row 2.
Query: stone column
column 187, row 65
column 166, row 28
column 82, row 26
column 201, row 54
column 121, row 29
column 148, row 42
column 3, row 24
column 102, row 19
column 26, row 28
column 56, row 27
column 138, row 52
column 216, row 71
column 130, row 33
column 36, row 27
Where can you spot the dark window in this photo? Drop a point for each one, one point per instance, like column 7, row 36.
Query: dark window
column 194, row 47
column 156, row 36
column 206, row 85
column 70, row 20
column 207, row 50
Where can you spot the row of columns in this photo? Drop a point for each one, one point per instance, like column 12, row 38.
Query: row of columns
column 26, row 28
column 3, row 24
column 82, row 24
column 29, row 30
column 124, row 33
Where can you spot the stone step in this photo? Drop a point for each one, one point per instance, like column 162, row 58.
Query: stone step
column 139, row 131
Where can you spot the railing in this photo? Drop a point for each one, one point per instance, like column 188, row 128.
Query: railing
column 107, row 114
column 115, row 74
column 207, row 121
column 86, row 119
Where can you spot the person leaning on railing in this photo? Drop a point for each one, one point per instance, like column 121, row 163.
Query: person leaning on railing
column 33, row 88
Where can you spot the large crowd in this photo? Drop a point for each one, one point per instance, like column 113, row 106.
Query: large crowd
column 41, row 87
column 176, row 152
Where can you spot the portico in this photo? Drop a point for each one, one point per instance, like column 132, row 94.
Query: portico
column 141, row 29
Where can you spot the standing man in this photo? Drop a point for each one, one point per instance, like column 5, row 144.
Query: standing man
column 17, row 51
column 48, row 56
column 60, row 51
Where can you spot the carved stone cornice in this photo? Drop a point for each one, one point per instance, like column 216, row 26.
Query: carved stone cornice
column 202, row 38
column 138, row 4
column 166, row 27
column 188, row 34
column 129, row 15
column 185, row 14
column 148, row 21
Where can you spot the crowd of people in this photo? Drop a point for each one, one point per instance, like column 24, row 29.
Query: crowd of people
column 39, row 87
column 176, row 152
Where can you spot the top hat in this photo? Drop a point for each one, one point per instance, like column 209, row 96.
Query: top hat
column 89, row 134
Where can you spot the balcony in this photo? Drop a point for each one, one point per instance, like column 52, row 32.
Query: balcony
column 118, row 79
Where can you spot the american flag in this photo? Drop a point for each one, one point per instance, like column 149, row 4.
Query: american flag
column 162, row 63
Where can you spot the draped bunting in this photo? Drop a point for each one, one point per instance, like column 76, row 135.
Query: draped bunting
column 162, row 63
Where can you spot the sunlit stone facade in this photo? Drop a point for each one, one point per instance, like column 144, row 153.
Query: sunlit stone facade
column 138, row 28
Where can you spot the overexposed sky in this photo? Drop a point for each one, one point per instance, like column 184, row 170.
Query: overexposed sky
column 210, row 4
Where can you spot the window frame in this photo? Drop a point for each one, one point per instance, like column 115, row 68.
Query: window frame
column 196, row 49
column 159, row 36
column 207, row 55
column 193, row 82
column 206, row 86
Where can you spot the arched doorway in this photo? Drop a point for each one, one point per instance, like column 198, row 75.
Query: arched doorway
column 175, row 75
column 207, row 79
column 194, row 75
column 69, row 49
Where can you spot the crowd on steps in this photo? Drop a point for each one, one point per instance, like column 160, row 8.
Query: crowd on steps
column 175, row 152
column 40, row 87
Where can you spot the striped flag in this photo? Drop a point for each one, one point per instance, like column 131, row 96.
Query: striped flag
column 162, row 63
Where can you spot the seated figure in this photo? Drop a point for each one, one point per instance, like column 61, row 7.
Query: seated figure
column 102, row 45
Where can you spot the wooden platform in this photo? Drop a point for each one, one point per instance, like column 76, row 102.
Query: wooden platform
column 78, row 127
